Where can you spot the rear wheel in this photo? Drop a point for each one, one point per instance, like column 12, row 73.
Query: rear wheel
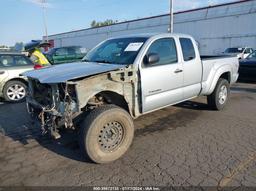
column 14, row 91
column 106, row 134
column 219, row 98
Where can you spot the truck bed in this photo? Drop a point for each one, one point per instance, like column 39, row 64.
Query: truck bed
column 213, row 57
column 211, row 64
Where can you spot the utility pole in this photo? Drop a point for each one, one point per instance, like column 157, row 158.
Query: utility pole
column 44, row 18
column 171, row 17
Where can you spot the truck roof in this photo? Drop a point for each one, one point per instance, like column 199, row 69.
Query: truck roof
column 149, row 35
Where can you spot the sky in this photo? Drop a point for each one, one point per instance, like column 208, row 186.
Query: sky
column 22, row 20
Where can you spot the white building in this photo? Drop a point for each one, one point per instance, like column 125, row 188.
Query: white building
column 215, row 28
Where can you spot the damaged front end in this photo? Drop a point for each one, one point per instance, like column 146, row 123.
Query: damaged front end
column 54, row 105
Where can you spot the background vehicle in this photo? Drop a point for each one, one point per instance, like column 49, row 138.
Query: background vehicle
column 65, row 54
column 12, row 84
column 124, row 78
column 247, row 69
column 240, row 52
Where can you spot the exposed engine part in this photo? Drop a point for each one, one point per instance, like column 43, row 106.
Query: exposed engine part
column 42, row 93
column 48, row 124
column 62, row 104
column 41, row 116
column 68, row 111
column 59, row 108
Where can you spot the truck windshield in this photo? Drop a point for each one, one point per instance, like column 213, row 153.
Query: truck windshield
column 116, row 51
column 234, row 50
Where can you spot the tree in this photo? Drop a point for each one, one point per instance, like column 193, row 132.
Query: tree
column 93, row 23
column 104, row 23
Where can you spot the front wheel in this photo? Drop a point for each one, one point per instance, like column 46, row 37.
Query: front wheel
column 106, row 134
column 219, row 98
column 14, row 91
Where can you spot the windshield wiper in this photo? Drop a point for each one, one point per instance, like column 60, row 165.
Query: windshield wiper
column 86, row 60
column 103, row 61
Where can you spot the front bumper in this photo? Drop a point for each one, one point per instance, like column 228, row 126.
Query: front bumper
column 46, row 118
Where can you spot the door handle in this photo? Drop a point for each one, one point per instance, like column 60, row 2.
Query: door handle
column 178, row 71
column 2, row 72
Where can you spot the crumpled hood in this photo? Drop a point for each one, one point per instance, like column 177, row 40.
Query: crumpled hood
column 65, row 72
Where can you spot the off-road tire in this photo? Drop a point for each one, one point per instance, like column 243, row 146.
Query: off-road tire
column 10, row 84
column 90, row 134
column 214, row 99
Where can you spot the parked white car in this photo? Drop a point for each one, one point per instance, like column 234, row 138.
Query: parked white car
column 240, row 52
column 13, row 86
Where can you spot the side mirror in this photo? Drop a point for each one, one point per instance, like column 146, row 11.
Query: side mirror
column 151, row 59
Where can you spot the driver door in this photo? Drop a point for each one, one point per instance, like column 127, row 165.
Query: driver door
column 162, row 82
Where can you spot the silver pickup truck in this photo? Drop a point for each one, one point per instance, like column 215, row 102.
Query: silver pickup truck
column 120, row 80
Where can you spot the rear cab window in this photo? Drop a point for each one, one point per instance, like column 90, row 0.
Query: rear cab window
column 188, row 49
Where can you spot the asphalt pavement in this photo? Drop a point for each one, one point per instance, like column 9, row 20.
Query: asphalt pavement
column 182, row 145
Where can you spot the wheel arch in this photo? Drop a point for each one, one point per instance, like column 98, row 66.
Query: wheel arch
column 116, row 99
column 111, row 97
column 223, row 72
column 227, row 76
column 15, row 79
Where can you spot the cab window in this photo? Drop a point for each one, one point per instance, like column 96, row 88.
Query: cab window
column 14, row 61
column 74, row 50
column 61, row 52
column 78, row 50
column 188, row 49
column 21, row 61
column 166, row 50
